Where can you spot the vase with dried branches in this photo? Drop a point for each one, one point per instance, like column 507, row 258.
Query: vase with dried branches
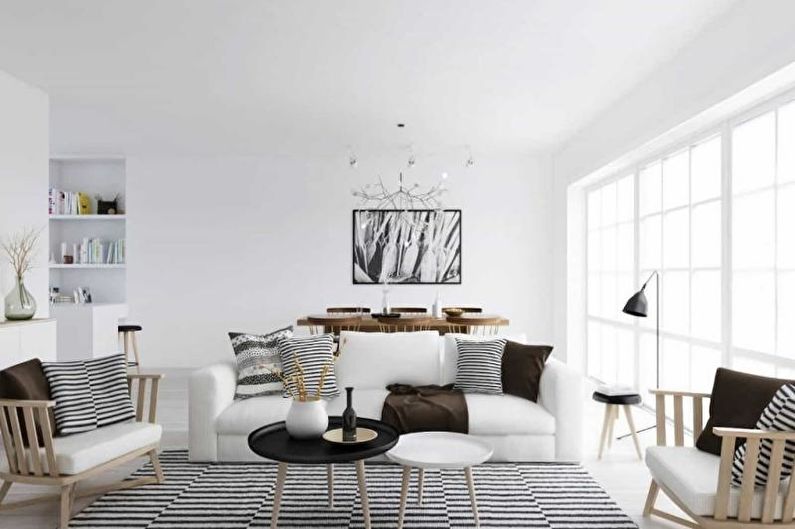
column 307, row 417
column 20, row 250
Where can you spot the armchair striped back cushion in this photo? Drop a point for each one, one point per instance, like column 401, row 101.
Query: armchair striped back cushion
column 89, row 394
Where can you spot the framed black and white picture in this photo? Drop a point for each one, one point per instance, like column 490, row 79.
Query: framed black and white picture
column 414, row 246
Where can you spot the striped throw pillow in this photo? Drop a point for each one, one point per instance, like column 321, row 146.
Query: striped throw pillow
column 778, row 416
column 89, row 394
column 258, row 361
column 480, row 366
column 312, row 354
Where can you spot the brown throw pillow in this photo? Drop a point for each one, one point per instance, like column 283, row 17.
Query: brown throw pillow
column 737, row 401
column 26, row 381
column 521, row 369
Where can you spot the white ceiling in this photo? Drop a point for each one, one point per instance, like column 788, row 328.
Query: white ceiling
column 254, row 76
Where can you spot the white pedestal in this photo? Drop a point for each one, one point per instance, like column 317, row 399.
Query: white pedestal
column 23, row 340
column 87, row 330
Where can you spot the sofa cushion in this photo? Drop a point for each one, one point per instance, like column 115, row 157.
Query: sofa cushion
column 737, row 402
column 449, row 353
column 258, row 362
column 245, row 416
column 308, row 366
column 479, row 366
column 692, row 476
column 373, row 360
column 507, row 414
column 83, row 451
column 522, row 366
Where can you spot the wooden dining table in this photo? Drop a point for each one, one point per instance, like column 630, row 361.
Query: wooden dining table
column 370, row 323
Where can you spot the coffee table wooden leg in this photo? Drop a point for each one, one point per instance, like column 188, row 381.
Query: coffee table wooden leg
column 330, row 479
column 420, row 480
column 363, row 493
column 281, row 475
column 471, row 485
column 404, row 493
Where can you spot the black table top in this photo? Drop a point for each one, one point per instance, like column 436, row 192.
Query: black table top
column 273, row 442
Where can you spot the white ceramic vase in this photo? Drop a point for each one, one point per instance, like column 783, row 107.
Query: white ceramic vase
column 307, row 419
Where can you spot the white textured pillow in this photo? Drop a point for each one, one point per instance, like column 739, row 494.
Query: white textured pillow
column 258, row 361
column 480, row 366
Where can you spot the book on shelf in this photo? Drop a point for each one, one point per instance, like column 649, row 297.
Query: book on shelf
column 96, row 251
column 68, row 202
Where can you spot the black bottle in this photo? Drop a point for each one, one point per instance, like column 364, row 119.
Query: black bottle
column 349, row 419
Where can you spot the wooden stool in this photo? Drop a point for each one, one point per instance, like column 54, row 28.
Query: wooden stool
column 612, row 404
column 127, row 334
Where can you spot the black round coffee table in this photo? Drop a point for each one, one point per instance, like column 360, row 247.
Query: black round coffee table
column 273, row 442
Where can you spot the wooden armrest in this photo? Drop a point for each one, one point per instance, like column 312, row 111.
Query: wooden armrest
column 14, row 403
column 667, row 392
column 748, row 433
column 148, row 376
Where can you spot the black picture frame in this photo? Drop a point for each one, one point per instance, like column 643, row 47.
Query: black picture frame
column 448, row 231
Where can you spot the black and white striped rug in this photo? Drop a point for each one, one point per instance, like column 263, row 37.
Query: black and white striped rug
column 228, row 495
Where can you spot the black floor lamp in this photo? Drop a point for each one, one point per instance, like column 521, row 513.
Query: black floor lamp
column 638, row 306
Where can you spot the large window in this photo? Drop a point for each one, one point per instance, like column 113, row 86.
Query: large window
column 716, row 219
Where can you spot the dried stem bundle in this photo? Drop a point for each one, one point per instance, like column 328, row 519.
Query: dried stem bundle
column 20, row 249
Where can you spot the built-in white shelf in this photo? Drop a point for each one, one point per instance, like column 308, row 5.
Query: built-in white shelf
column 85, row 266
column 88, row 217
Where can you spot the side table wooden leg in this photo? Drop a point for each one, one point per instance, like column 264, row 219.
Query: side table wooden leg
column 472, row 499
column 420, row 480
column 330, row 479
column 605, row 428
column 404, row 493
column 363, row 493
column 631, row 422
column 613, row 417
column 281, row 475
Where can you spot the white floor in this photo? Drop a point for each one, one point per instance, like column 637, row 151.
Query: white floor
column 620, row 472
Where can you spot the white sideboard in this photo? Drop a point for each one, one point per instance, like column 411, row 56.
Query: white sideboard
column 87, row 330
column 23, row 340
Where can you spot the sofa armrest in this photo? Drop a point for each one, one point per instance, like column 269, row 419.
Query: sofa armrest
column 561, row 394
column 211, row 390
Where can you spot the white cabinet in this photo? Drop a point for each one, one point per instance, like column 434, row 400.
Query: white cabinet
column 23, row 340
column 87, row 330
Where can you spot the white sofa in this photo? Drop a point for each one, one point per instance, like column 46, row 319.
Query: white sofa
column 518, row 429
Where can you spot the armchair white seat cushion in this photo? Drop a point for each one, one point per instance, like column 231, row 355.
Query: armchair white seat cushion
column 83, row 451
column 507, row 415
column 692, row 476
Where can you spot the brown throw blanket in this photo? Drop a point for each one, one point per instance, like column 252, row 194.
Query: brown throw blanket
column 425, row 408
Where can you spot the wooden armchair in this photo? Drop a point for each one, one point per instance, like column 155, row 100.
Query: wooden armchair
column 35, row 457
column 699, row 483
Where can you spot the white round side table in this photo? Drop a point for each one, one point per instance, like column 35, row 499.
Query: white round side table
column 443, row 450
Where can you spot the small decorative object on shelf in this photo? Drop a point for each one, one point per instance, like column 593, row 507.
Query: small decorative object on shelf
column 349, row 418
column 20, row 250
column 107, row 207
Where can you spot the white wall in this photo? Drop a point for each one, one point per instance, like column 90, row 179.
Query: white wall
column 24, row 152
column 748, row 43
column 220, row 244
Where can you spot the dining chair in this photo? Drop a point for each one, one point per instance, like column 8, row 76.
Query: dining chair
column 409, row 310
column 482, row 326
column 348, row 310
column 333, row 324
column 405, row 323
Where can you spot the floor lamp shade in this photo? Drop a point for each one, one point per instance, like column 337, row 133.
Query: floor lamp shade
column 637, row 305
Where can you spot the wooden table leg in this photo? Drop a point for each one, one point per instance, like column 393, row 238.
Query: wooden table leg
column 605, row 428
column 330, row 479
column 613, row 417
column 404, row 493
column 631, row 422
column 420, row 480
column 472, row 499
column 363, row 493
column 281, row 475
